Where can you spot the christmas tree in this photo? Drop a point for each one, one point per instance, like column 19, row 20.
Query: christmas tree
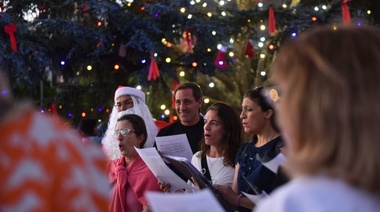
column 70, row 56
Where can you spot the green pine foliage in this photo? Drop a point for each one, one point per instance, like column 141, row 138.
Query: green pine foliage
column 103, row 33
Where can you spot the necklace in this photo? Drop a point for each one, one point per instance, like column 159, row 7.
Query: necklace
column 212, row 163
column 274, row 134
column 262, row 144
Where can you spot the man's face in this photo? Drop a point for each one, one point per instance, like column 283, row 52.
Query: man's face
column 123, row 102
column 187, row 107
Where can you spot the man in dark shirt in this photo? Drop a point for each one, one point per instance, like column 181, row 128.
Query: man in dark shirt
column 188, row 102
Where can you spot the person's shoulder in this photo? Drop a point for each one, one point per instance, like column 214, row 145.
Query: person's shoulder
column 317, row 194
column 244, row 146
column 168, row 130
column 289, row 197
column 197, row 154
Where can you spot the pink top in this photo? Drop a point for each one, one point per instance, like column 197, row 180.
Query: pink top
column 130, row 183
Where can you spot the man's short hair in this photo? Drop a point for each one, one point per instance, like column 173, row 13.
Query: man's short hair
column 197, row 91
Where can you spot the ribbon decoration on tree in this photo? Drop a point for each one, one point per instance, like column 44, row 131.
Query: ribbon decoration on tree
column 85, row 9
column 272, row 21
column 10, row 29
column 346, row 12
column 249, row 51
column 54, row 110
column 153, row 68
column 175, row 83
column 220, row 60
column 188, row 41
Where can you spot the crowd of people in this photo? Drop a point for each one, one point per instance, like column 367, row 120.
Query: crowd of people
column 323, row 120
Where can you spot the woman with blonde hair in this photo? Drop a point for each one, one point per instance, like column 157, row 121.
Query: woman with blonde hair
column 329, row 114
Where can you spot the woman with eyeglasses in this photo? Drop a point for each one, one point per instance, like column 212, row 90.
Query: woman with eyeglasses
column 129, row 175
column 258, row 119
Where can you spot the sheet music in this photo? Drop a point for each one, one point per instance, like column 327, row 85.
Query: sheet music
column 201, row 201
column 174, row 145
column 275, row 163
column 255, row 198
column 163, row 173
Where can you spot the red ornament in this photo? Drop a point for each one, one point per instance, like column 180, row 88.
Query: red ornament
column 153, row 68
column 346, row 12
column 10, row 29
column 272, row 21
column 54, row 110
column 175, row 83
column 85, row 9
column 249, row 51
column 220, row 60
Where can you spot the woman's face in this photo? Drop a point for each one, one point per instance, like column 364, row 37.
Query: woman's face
column 213, row 129
column 253, row 118
column 129, row 141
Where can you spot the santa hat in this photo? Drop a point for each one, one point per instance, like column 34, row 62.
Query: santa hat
column 123, row 90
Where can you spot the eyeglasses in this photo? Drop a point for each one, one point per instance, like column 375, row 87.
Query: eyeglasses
column 126, row 102
column 124, row 132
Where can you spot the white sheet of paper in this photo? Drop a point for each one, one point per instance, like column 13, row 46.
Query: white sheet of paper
column 255, row 198
column 174, row 145
column 275, row 163
column 163, row 173
column 201, row 201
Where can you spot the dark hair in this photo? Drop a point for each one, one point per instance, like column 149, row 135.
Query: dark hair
column 138, row 125
column 102, row 128
column 87, row 126
column 234, row 132
column 256, row 96
column 197, row 91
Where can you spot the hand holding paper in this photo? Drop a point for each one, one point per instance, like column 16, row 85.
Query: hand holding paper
column 163, row 173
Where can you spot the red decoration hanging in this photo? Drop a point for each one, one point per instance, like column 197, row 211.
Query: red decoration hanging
column 10, row 29
column 54, row 110
column 188, row 42
column 85, row 9
column 272, row 21
column 175, row 83
column 346, row 12
column 153, row 68
column 249, row 51
column 220, row 60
